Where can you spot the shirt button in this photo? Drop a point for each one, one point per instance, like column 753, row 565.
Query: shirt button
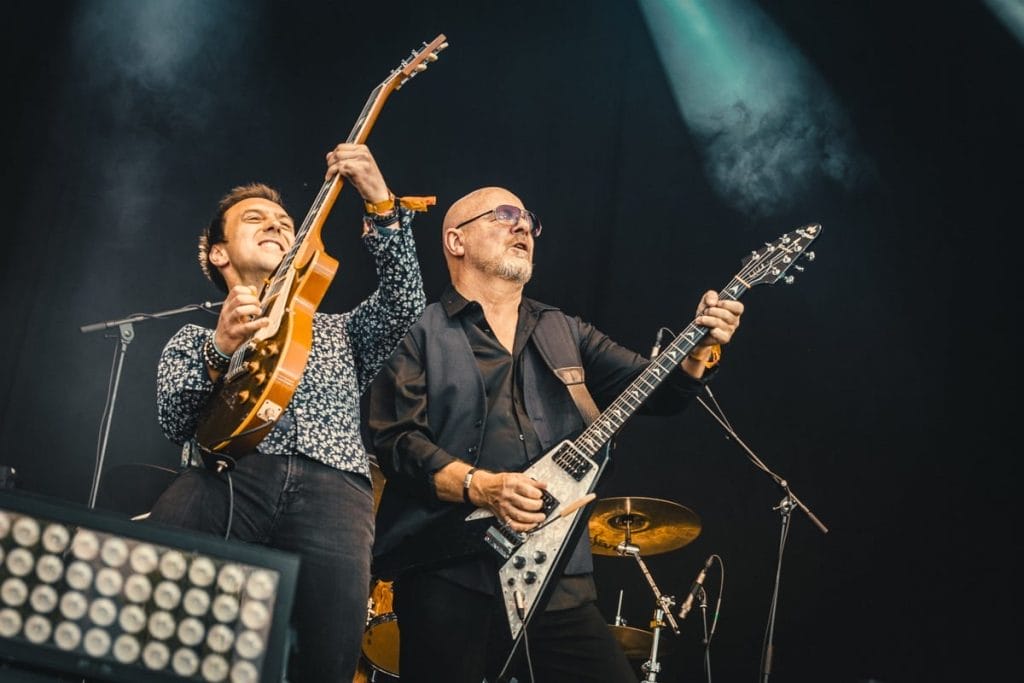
column 522, row 438
column 478, row 424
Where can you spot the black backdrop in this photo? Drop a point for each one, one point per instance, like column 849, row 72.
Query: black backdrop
column 872, row 384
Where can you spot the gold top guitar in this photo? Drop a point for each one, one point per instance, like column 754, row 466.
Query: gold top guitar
column 264, row 373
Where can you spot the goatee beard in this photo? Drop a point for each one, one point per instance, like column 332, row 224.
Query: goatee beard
column 514, row 270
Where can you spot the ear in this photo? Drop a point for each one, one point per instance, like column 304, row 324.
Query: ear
column 454, row 243
column 218, row 255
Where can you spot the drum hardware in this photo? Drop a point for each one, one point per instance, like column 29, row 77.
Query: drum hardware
column 635, row 643
column 381, row 637
column 620, row 527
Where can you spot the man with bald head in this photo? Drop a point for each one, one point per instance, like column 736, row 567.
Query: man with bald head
column 469, row 400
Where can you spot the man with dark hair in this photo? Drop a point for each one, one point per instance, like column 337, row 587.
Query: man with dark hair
column 468, row 401
column 306, row 489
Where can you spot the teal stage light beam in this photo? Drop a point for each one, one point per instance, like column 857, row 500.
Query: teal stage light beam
column 1011, row 13
column 768, row 127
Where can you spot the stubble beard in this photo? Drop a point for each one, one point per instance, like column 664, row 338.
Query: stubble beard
column 509, row 268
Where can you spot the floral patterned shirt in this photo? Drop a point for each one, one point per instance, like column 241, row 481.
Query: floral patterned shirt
column 322, row 419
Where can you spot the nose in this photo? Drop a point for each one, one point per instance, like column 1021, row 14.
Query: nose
column 523, row 224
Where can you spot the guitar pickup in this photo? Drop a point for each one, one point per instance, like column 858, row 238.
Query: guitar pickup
column 572, row 463
column 504, row 540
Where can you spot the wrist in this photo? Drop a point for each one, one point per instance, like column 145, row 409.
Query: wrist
column 214, row 358
column 709, row 356
column 467, row 481
column 382, row 207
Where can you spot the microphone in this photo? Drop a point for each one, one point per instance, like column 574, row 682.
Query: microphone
column 698, row 583
column 656, row 349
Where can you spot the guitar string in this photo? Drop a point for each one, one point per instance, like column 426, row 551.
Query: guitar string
column 634, row 390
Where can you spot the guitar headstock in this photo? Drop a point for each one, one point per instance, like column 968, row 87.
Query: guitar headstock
column 416, row 62
column 769, row 264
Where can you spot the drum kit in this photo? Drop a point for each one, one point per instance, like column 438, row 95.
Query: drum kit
column 618, row 527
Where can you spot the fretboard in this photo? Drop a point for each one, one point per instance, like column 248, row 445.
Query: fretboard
column 610, row 421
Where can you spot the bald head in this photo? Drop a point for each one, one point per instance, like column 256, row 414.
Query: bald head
column 476, row 202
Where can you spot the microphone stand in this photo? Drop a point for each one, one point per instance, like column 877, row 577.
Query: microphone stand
column 126, row 333
column 785, row 507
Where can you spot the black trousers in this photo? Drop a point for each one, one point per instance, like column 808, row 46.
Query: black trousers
column 452, row 634
column 298, row 505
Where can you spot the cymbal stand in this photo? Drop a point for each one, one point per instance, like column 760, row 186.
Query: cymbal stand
column 651, row 667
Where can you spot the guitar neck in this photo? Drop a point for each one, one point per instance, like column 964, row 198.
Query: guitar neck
column 307, row 238
column 308, row 235
column 629, row 401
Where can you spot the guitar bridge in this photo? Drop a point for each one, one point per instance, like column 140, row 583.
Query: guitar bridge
column 503, row 540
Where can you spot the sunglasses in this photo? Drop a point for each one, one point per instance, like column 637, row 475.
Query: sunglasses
column 509, row 216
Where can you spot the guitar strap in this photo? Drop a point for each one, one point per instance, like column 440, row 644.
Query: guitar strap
column 560, row 349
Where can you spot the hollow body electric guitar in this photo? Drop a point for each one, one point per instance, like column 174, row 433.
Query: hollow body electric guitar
column 263, row 374
column 572, row 469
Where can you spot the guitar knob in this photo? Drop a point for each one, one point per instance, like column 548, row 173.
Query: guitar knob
column 540, row 557
column 518, row 561
column 242, row 396
column 530, row 577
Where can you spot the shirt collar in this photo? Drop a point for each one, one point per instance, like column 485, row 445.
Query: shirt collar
column 455, row 304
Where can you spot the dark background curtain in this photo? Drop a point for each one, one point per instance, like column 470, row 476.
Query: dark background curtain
column 875, row 384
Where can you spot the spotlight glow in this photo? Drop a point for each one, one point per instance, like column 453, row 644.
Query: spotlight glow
column 767, row 124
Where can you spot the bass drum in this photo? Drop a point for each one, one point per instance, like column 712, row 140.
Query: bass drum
column 380, row 640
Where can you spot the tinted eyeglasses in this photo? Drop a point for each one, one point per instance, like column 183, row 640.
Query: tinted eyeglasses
column 509, row 215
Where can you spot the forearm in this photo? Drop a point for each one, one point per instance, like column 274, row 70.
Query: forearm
column 449, row 481
column 183, row 384
column 400, row 293
column 377, row 325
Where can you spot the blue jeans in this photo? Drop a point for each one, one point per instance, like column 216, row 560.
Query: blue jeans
column 301, row 506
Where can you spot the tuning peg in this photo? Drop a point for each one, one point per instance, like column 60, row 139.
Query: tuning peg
column 799, row 268
column 789, row 279
column 420, row 68
column 432, row 57
column 809, row 255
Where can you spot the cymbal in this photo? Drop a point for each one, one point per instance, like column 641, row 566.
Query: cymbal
column 651, row 524
column 636, row 643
